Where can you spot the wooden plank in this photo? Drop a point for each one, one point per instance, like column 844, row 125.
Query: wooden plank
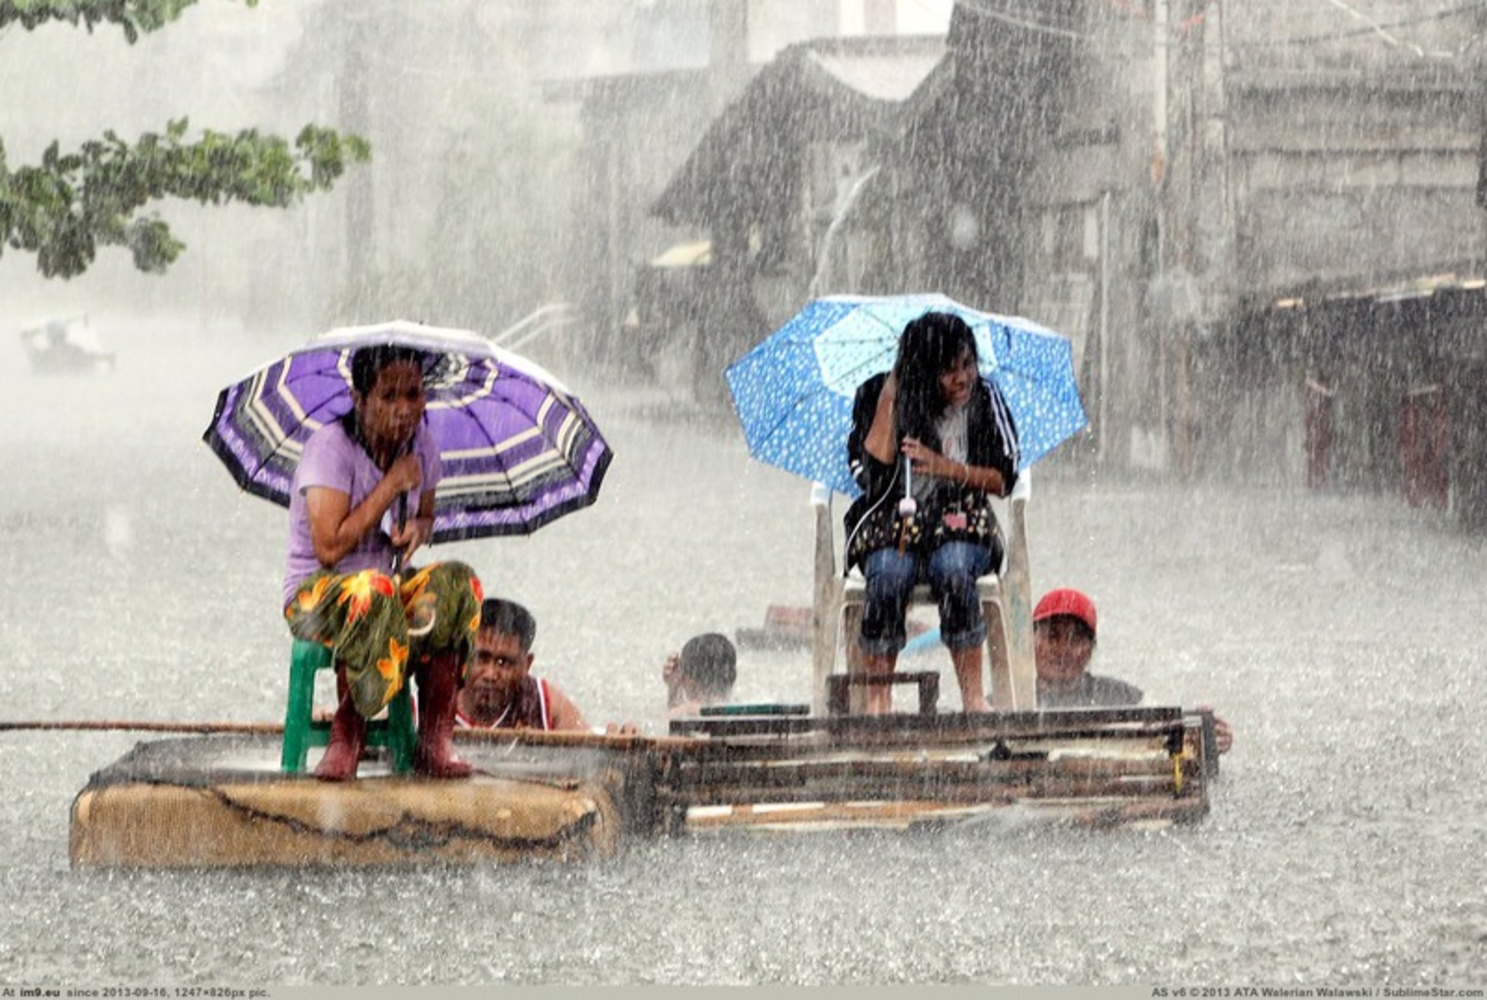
column 757, row 725
column 833, row 816
column 839, row 688
column 950, row 726
column 1038, row 786
column 784, row 773
column 752, row 782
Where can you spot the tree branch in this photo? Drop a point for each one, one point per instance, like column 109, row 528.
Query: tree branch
column 71, row 204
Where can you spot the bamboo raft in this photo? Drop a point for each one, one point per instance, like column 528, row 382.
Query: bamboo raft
column 219, row 799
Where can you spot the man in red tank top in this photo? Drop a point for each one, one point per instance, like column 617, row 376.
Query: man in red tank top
column 500, row 691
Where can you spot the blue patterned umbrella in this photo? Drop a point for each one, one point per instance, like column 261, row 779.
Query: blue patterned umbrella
column 793, row 392
column 518, row 448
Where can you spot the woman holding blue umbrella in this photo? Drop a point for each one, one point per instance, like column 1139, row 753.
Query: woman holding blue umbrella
column 361, row 505
column 932, row 442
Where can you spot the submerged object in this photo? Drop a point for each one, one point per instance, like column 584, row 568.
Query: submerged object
column 66, row 346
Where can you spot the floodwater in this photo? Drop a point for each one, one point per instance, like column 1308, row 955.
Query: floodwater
column 1346, row 845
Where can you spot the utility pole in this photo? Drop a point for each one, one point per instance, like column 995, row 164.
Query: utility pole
column 1161, row 164
column 729, row 58
column 1216, row 255
column 1174, row 301
column 720, row 328
column 1180, row 239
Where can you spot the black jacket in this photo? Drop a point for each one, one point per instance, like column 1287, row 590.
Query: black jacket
column 991, row 442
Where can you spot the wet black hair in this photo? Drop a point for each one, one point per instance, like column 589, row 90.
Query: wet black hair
column 711, row 661
column 367, row 363
column 928, row 347
column 509, row 618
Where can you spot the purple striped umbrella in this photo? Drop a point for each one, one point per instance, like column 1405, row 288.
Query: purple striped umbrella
column 518, row 448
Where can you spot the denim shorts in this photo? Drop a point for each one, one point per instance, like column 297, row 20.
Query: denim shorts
column 951, row 572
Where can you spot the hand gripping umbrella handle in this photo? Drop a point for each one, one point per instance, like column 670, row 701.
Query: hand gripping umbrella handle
column 907, row 507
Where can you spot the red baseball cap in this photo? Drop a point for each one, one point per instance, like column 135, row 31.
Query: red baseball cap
column 1066, row 601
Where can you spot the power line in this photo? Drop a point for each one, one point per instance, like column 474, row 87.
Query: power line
column 982, row 9
column 985, row 8
column 1372, row 28
column 1183, row 28
column 1373, row 25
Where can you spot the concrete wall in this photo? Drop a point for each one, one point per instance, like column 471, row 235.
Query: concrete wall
column 1213, row 158
column 1341, row 181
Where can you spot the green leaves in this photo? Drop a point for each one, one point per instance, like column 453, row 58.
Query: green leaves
column 73, row 203
column 134, row 16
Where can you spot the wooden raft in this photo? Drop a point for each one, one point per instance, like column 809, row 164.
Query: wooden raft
column 1097, row 767
column 221, row 801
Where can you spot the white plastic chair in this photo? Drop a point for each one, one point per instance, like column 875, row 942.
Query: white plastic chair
column 1006, row 602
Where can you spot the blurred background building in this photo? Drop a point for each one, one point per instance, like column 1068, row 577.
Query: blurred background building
column 1260, row 224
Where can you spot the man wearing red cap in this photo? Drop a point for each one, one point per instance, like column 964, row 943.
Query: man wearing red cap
column 1064, row 629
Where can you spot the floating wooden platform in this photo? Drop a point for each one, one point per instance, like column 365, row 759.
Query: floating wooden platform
column 1097, row 767
column 220, row 800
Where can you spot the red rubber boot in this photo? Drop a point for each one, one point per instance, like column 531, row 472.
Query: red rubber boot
column 438, row 683
column 348, row 737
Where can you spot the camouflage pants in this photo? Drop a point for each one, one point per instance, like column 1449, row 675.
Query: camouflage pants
column 377, row 626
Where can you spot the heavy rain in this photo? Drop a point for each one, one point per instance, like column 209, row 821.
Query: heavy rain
column 1265, row 316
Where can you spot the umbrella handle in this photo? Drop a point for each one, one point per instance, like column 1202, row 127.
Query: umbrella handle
column 397, row 555
column 908, row 506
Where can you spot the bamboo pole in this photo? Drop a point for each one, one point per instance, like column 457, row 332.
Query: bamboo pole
column 532, row 737
column 138, row 725
column 575, row 738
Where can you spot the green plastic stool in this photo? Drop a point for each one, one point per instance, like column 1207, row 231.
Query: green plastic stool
column 303, row 731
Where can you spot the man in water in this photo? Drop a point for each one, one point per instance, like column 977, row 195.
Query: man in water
column 1064, row 635
column 500, row 691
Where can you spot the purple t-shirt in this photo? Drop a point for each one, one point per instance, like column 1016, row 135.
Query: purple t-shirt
column 333, row 460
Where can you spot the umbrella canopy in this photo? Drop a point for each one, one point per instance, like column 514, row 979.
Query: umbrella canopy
column 518, row 448
column 794, row 391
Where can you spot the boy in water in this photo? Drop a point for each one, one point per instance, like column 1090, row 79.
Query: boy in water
column 702, row 674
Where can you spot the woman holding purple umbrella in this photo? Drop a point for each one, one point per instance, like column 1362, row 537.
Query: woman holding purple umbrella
column 932, row 441
column 362, row 504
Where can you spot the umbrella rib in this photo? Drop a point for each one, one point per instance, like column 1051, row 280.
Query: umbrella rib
column 265, row 459
column 553, row 453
